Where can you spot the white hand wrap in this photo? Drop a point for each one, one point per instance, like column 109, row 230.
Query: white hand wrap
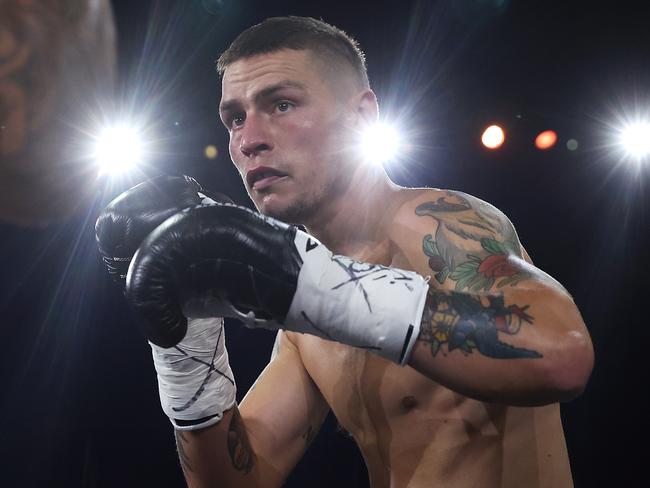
column 363, row 305
column 195, row 381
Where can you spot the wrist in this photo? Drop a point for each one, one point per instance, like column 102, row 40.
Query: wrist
column 364, row 305
column 195, row 382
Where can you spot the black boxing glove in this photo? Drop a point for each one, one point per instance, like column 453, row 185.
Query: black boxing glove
column 130, row 217
column 195, row 382
column 229, row 261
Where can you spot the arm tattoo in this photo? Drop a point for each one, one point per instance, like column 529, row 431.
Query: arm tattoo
column 488, row 232
column 239, row 448
column 471, row 322
column 181, row 442
column 37, row 42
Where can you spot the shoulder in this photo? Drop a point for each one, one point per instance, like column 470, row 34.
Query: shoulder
column 435, row 202
column 458, row 239
column 469, row 217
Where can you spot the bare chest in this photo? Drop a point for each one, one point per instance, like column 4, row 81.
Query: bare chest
column 413, row 431
column 373, row 398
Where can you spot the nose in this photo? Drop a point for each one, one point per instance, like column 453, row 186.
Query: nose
column 254, row 137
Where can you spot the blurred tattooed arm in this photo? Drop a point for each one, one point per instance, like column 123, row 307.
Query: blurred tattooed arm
column 57, row 60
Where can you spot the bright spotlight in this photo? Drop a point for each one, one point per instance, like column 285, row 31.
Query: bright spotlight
column 493, row 137
column 380, row 143
column 635, row 139
column 118, row 149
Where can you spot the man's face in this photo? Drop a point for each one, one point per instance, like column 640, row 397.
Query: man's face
column 288, row 132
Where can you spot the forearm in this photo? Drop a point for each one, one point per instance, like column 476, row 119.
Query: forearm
column 519, row 346
column 203, row 455
column 223, row 455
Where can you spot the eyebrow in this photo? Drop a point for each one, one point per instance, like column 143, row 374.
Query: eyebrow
column 228, row 105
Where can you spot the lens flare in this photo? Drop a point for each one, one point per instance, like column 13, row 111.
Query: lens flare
column 546, row 140
column 572, row 145
column 211, row 151
column 380, row 143
column 118, row 149
column 635, row 139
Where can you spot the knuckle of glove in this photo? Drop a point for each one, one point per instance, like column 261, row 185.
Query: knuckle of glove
column 129, row 218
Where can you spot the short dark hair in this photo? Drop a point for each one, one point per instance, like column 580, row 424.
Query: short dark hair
column 298, row 33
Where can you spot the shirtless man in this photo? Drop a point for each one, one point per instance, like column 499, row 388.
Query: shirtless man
column 459, row 391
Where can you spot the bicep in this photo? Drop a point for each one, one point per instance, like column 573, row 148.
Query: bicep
column 487, row 300
column 284, row 409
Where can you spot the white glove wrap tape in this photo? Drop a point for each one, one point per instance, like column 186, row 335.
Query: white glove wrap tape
column 194, row 378
column 364, row 305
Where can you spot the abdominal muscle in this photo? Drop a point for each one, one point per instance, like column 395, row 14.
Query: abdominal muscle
column 415, row 433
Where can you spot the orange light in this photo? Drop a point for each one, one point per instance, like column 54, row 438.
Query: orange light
column 493, row 137
column 546, row 140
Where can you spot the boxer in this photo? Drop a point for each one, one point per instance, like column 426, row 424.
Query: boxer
column 57, row 63
column 416, row 315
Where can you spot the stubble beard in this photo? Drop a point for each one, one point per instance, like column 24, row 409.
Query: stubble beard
column 305, row 207
column 300, row 210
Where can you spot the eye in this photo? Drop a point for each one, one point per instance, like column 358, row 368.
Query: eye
column 284, row 106
column 237, row 120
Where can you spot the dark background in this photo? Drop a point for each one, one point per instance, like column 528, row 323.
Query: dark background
column 78, row 398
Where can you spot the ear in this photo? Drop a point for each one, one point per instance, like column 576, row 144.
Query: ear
column 367, row 107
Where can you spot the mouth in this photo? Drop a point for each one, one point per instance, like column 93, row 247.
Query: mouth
column 261, row 177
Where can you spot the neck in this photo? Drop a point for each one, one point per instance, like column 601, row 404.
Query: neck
column 357, row 218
